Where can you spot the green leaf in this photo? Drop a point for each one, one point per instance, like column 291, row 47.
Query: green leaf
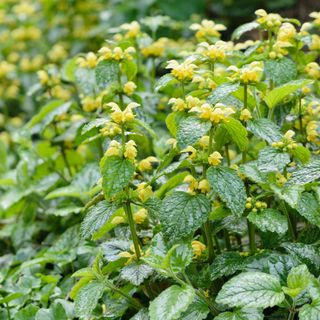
column 164, row 81
column 271, row 160
column 276, row 95
column 251, row 171
column 190, row 130
column 87, row 298
column 309, row 208
column 171, row 303
column 96, row 217
column 265, row 129
column 116, row 174
column 106, row 73
column 136, row 273
column 306, row 173
column 226, row 264
column 242, row 314
column 299, row 278
column 238, row 32
column 252, row 290
column 178, row 257
column 48, row 112
column 290, row 194
column 28, row 312
column 141, row 315
column 230, row 188
column 172, row 121
column 301, row 153
column 182, row 213
column 197, row 310
column 221, row 92
column 3, row 157
column 130, row 69
column 237, row 132
column 171, row 183
column 280, row 71
column 310, row 311
column 306, row 253
column 112, row 248
column 269, row 220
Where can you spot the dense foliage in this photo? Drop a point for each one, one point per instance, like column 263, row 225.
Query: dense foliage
column 159, row 178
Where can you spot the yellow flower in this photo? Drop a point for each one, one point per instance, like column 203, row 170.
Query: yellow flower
column 287, row 32
column 172, row 142
column 178, row 104
column 204, row 186
column 316, row 16
column 89, row 61
column 214, row 52
column 250, row 73
column 133, row 29
column 192, row 150
column 193, row 183
column 146, row 164
column 183, row 71
column 90, row 104
column 43, row 77
column 118, row 220
column 105, row 53
column 289, row 135
column 204, row 142
column 130, row 150
column 313, row 70
column 119, row 116
column 207, row 28
column 144, row 191
column 245, row 115
column 215, row 158
column 155, row 49
column 140, row 216
column 268, row 21
column 198, row 248
column 315, row 42
column 129, row 88
column 6, row 68
column 113, row 149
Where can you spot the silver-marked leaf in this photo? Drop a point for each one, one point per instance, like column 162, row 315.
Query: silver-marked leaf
column 85, row 80
column 310, row 311
column 269, row 220
column 272, row 160
column 251, row 171
column 242, row 314
column 230, row 188
column 252, row 290
column 164, row 81
column 226, row 264
column 221, row 92
column 116, row 174
column 106, row 73
column 182, row 213
column 136, row 273
column 238, row 32
column 87, row 298
column 280, row 71
column 96, row 217
column 309, row 208
column 265, row 129
column 190, row 130
column 197, row 310
column 306, row 173
column 171, row 302
column 112, row 248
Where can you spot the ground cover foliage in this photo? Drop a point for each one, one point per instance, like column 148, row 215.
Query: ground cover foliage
column 159, row 177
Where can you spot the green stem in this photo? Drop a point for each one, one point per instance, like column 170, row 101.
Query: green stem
column 290, row 224
column 120, row 90
column 245, row 96
column 135, row 303
column 8, row 311
column 227, row 239
column 207, row 230
column 153, row 74
column 135, row 239
column 216, row 240
column 227, row 154
column 183, row 90
column 251, row 232
column 300, row 119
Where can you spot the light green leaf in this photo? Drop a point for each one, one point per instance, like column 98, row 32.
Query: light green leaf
column 171, row 303
column 251, row 171
column 190, row 130
column 272, row 160
column 280, row 71
column 3, row 157
column 310, row 311
column 242, row 314
column 182, row 213
column 299, row 278
column 230, row 188
column 164, row 81
column 276, row 95
column 96, row 217
column 116, row 174
column 265, row 129
column 306, row 173
column 237, row 132
column 251, row 290
column 226, row 264
column 269, row 220
column 87, row 298
column 289, row 193
column 309, row 208
column 221, row 92
column 106, row 73
column 238, row 32
column 171, row 183
column 301, row 153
